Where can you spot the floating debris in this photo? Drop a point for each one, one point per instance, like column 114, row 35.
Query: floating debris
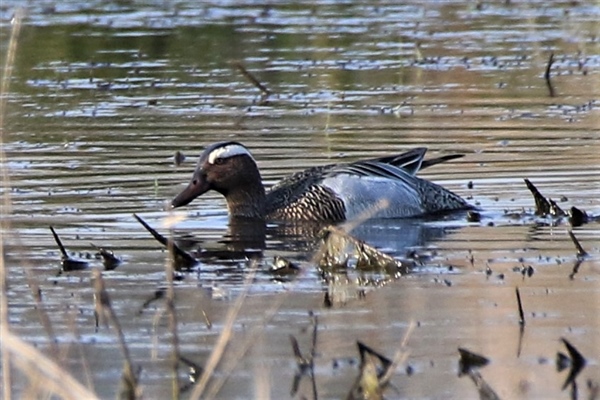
column 373, row 368
column 67, row 263
column 282, row 266
column 577, row 217
column 543, row 206
column 108, row 258
column 468, row 364
column 181, row 259
column 469, row 361
column 157, row 295
column 338, row 248
column 562, row 361
column 577, row 363
column 194, row 373
column 178, row 158
column 473, row 216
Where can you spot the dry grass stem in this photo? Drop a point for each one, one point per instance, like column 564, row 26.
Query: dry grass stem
column 243, row 347
column 401, row 355
column 224, row 337
column 5, row 206
column 41, row 312
column 46, row 373
column 366, row 215
column 170, row 310
column 104, row 309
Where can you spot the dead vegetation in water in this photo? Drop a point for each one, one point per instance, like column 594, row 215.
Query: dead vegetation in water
column 469, row 364
column 46, row 375
column 546, row 207
column 341, row 250
column 182, row 259
column 264, row 91
column 68, row 263
column 306, row 365
column 103, row 310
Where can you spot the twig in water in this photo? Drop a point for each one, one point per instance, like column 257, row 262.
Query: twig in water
column 157, row 295
column 520, row 305
column 62, row 249
column 67, row 263
column 182, row 259
column 575, row 268
column 485, row 390
column 580, row 251
column 305, row 364
column 521, row 321
column 547, row 74
column 263, row 89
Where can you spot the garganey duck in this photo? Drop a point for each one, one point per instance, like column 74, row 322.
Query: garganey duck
column 333, row 193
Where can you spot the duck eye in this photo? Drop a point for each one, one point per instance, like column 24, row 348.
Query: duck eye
column 219, row 160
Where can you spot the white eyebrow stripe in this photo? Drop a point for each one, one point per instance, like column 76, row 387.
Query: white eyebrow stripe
column 227, row 151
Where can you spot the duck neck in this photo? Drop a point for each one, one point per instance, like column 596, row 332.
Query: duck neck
column 247, row 200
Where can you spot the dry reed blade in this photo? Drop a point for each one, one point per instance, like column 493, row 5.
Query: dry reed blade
column 60, row 245
column 50, row 376
column 251, row 336
column 245, row 346
column 104, row 308
column 224, row 337
column 5, row 205
column 401, row 354
column 170, row 267
column 41, row 312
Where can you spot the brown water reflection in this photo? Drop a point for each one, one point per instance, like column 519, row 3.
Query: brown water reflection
column 105, row 93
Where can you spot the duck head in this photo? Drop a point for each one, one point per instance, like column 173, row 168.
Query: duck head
column 229, row 169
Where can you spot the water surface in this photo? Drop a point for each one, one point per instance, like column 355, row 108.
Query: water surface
column 105, row 93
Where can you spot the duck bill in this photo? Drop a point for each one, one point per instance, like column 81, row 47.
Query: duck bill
column 198, row 186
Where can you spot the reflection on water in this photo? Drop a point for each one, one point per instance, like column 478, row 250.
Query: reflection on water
column 105, row 93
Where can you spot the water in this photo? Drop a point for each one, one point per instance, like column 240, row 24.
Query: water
column 104, row 94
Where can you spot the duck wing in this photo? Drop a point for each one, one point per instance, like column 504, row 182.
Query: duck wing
column 410, row 162
column 302, row 194
column 301, row 197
